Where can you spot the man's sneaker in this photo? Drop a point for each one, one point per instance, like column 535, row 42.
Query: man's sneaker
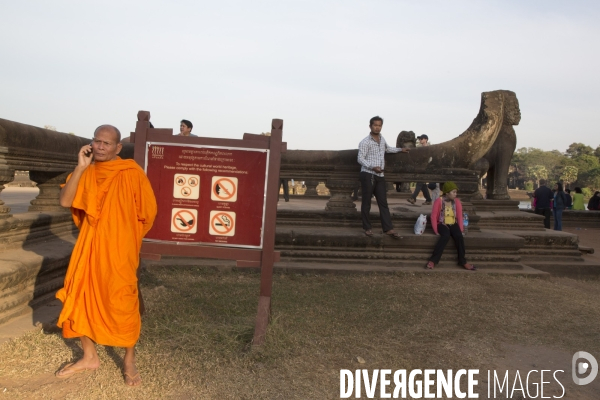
column 426, row 203
column 411, row 200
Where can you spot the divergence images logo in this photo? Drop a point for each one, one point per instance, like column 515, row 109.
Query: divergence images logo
column 158, row 151
column 582, row 367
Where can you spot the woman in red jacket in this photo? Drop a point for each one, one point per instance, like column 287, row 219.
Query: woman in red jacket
column 446, row 221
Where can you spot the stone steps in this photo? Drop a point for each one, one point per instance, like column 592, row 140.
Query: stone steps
column 342, row 255
column 545, row 254
column 448, row 261
column 29, row 276
column 320, row 268
column 354, row 239
column 578, row 270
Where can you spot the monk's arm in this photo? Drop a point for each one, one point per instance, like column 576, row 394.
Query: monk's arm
column 67, row 193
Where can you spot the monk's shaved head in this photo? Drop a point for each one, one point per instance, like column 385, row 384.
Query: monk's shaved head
column 109, row 128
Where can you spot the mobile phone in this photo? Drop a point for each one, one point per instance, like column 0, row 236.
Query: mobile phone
column 89, row 154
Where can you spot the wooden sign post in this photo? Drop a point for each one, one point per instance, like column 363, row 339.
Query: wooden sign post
column 217, row 198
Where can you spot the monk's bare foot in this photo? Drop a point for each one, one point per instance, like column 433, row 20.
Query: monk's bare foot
column 80, row 366
column 131, row 374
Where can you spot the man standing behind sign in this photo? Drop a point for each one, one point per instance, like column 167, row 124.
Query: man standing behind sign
column 113, row 206
column 185, row 128
column 371, row 151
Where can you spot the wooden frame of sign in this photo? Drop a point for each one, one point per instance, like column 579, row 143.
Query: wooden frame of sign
column 252, row 254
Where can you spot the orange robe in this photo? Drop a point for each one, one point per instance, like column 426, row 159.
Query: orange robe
column 114, row 208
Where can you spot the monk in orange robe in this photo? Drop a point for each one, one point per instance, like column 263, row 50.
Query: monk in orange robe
column 113, row 206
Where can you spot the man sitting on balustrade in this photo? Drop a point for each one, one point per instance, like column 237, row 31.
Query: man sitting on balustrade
column 113, row 206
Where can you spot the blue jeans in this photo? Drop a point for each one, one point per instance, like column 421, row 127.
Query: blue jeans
column 557, row 218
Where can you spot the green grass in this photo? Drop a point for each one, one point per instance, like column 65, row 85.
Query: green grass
column 199, row 323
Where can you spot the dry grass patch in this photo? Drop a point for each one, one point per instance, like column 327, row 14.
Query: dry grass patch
column 196, row 335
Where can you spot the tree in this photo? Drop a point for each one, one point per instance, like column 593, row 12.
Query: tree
column 579, row 149
column 569, row 174
column 590, row 178
column 597, row 152
column 537, row 172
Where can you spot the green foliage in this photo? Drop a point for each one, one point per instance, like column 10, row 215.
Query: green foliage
column 579, row 149
column 529, row 186
column 569, row 174
column 537, row 172
column 579, row 166
column 587, row 192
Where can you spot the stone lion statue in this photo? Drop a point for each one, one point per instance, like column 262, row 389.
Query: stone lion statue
column 496, row 161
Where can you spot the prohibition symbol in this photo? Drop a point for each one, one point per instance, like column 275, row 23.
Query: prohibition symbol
column 186, row 186
column 222, row 223
column 224, row 188
column 184, row 220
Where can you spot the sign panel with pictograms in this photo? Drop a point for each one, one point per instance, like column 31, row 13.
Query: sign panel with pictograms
column 222, row 223
column 186, row 186
column 230, row 216
column 184, row 220
column 224, row 188
column 199, row 191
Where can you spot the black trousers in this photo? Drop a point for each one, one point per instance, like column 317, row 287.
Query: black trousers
column 286, row 189
column 374, row 185
column 546, row 212
column 421, row 186
column 445, row 232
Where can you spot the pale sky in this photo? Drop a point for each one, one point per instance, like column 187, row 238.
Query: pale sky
column 324, row 67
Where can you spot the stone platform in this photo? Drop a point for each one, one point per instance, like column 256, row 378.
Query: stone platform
column 500, row 239
column 35, row 247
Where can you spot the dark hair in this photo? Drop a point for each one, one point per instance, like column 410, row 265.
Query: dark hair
column 568, row 190
column 577, row 190
column 375, row 118
column 596, row 194
column 542, row 182
column 560, row 187
column 187, row 123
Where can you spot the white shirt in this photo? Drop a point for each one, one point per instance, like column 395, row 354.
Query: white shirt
column 371, row 154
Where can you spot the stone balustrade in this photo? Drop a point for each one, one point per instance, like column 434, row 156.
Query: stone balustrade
column 49, row 156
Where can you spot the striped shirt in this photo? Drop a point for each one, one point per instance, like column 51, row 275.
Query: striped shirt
column 371, row 154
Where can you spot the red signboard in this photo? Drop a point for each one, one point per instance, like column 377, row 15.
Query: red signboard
column 207, row 194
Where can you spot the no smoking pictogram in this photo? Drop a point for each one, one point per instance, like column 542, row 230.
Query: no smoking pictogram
column 184, row 220
column 224, row 188
column 222, row 223
column 186, row 186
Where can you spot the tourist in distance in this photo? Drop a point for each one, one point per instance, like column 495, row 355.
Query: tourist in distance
column 286, row 189
column 559, row 205
column 594, row 203
column 371, row 151
column 542, row 196
column 185, row 128
column 578, row 199
column 569, row 204
column 447, row 221
column 113, row 206
column 421, row 186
